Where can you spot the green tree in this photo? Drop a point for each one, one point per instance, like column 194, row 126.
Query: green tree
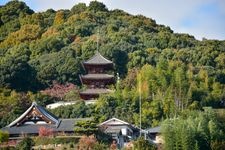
column 25, row 144
column 4, row 136
column 81, row 7
column 97, row 6
column 142, row 144
column 59, row 18
column 193, row 130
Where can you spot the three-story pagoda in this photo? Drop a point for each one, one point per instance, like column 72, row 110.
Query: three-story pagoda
column 96, row 80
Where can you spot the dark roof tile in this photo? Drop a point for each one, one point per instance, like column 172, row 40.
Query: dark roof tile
column 98, row 59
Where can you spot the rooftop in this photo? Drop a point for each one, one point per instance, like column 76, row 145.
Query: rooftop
column 54, row 120
column 98, row 59
column 65, row 125
column 154, row 130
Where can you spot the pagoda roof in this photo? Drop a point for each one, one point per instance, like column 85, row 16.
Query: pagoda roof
column 98, row 59
column 97, row 76
column 49, row 116
column 95, row 91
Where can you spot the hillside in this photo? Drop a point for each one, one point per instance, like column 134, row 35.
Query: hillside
column 37, row 48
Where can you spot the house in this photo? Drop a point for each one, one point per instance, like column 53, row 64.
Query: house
column 36, row 117
column 122, row 132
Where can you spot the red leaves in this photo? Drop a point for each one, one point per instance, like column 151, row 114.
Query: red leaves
column 59, row 90
column 87, row 142
column 43, row 131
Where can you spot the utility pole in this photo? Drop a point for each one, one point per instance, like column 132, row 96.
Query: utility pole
column 140, row 102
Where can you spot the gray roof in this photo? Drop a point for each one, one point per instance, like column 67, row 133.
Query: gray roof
column 97, row 76
column 42, row 110
column 65, row 125
column 98, row 59
column 27, row 129
column 154, row 130
column 96, row 91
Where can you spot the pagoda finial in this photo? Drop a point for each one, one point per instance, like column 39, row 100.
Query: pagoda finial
column 97, row 41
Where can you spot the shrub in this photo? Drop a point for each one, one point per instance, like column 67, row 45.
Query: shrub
column 25, row 144
column 4, row 136
column 142, row 144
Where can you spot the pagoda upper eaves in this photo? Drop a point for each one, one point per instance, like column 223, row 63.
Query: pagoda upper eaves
column 98, row 59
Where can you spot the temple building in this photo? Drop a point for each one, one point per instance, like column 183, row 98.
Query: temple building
column 37, row 117
column 96, row 80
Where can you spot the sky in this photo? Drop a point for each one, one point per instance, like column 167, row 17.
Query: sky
column 200, row 18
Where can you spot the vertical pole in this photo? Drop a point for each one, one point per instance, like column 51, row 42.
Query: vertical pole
column 98, row 40
column 140, row 103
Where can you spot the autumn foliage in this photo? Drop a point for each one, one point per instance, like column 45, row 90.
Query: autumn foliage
column 43, row 131
column 58, row 90
column 87, row 142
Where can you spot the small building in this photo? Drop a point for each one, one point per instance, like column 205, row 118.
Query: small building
column 96, row 80
column 155, row 135
column 122, row 132
column 36, row 117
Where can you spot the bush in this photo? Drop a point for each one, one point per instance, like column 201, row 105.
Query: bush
column 142, row 144
column 100, row 146
column 4, row 136
column 55, row 140
column 25, row 144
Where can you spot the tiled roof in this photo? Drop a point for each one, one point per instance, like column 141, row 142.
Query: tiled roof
column 65, row 125
column 42, row 110
column 98, row 59
column 27, row 129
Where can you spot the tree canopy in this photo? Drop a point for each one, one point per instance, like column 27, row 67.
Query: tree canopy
column 173, row 72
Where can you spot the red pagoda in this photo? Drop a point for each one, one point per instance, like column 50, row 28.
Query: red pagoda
column 96, row 80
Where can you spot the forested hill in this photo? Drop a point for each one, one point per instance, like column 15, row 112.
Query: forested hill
column 37, row 48
column 177, row 71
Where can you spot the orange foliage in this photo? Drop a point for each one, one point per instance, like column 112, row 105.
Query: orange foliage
column 59, row 18
column 50, row 32
column 87, row 142
column 26, row 33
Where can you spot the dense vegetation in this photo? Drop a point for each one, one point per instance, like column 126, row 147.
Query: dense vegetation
column 172, row 72
column 194, row 130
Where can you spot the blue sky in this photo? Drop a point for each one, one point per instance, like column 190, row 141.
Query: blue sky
column 201, row 18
